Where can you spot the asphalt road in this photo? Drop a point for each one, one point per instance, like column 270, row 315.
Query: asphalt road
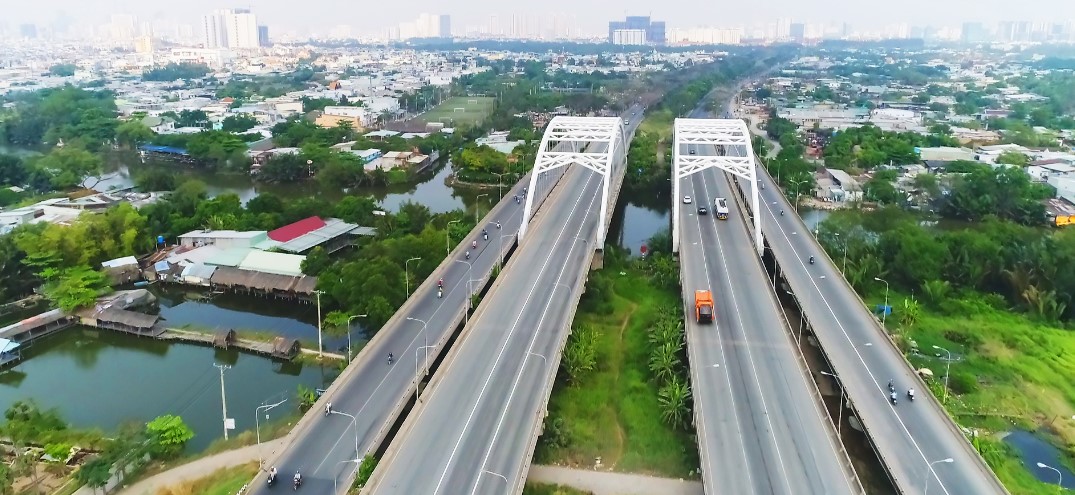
column 473, row 432
column 371, row 389
column 909, row 435
column 760, row 427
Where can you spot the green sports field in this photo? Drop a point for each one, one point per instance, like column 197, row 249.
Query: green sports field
column 460, row 110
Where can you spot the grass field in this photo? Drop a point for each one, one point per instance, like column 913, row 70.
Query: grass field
column 1011, row 372
column 226, row 481
column 460, row 110
column 613, row 411
column 658, row 122
column 547, row 489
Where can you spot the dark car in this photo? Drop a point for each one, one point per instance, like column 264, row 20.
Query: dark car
column 702, row 210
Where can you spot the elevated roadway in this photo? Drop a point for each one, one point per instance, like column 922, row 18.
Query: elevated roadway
column 478, row 422
column 760, row 421
column 370, row 394
column 919, row 445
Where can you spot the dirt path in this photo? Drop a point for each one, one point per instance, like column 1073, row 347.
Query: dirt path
column 603, row 483
column 196, row 469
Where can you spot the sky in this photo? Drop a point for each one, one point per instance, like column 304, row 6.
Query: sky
column 590, row 15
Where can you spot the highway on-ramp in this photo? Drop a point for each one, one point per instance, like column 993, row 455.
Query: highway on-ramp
column 913, row 438
column 761, row 426
column 473, row 432
column 371, row 390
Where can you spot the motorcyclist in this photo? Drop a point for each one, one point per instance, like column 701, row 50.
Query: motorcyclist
column 298, row 479
column 484, row 232
column 389, row 358
column 328, row 409
column 781, row 212
column 498, row 225
column 893, row 397
column 910, row 393
column 467, row 254
column 440, row 283
column 890, row 387
column 440, row 293
column 811, row 260
column 473, row 244
column 272, row 474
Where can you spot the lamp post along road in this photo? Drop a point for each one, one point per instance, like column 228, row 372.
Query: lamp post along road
column 884, row 310
column 407, row 274
column 349, row 318
column 477, row 206
column 947, row 369
column 354, row 422
column 466, row 313
column 257, row 423
column 448, row 237
column 840, row 413
column 320, row 349
column 1059, row 482
column 925, row 489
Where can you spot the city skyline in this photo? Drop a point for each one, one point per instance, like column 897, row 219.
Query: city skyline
column 589, row 18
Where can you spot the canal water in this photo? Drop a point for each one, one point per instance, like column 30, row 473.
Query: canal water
column 638, row 217
column 1032, row 450
column 101, row 379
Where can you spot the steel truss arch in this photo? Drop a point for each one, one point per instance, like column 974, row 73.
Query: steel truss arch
column 735, row 155
column 596, row 143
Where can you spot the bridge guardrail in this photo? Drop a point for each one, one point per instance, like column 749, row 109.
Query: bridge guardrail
column 949, row 421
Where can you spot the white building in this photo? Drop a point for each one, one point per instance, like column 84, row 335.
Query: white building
column 227, row 28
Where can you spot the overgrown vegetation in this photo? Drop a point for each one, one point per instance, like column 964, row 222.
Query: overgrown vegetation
column 621, row 406
column 226, row 481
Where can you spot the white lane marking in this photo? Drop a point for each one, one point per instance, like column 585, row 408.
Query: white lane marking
column 750, row 357
column 854, row 348
column 500, row 354
column 723, row 357
column 533, row 339
column 516, row 212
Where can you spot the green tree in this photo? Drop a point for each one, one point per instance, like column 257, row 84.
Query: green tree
column 664, row 361
column 155, row 180
column 1013, row 158
column 77, row 287
column 674, row 398
column 316, row 261
column 365, row 470
column 68, row 167
column 168, row 434
column 95, row 473
column 133, row 132
column 7, row 480
column 63, row 70
column 238, row 123
column 580, row 353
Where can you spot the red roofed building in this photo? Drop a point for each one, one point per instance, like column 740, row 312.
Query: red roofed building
column 297, row 229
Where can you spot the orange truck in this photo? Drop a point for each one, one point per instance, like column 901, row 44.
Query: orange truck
column 703, row 306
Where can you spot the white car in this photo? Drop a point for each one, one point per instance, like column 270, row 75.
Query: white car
column 686, row 200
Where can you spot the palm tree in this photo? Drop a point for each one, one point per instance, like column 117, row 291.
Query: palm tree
column 664, row 361
column 675, row 402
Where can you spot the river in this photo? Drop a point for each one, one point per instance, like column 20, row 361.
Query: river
column 101, row 379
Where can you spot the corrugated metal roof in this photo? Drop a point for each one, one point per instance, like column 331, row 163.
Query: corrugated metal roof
column 118, row 262
column 222, row 234
column 278, row 263
column 333, row 228
column 297, row 229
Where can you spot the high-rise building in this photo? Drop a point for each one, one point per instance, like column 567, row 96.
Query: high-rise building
column 227, row 28
column 28, row 30
column 445, row 30
column 263, row 36
column 653, row 32
column 797, row 32
column 973, row 32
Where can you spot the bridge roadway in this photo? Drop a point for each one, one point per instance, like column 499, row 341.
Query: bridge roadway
column 760, row 421
column 910, row 436
column 323, row 448
column 475, row 429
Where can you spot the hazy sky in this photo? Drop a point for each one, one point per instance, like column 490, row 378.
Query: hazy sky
column 591, row 15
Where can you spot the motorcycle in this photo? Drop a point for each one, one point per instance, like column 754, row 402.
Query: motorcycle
column 485, row 236
column 468, row 255
column 390, row 358
column 893, row 397
column 781, row 212
column 328, row 409
column 474, row 245
column 910, row 395
column 498, row 225
column 440, row 293
column 298, row 483
column 811, row 260
column 272, row 480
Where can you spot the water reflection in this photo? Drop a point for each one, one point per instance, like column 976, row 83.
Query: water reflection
column 102, row 379
column 1032, row 450
column 637, row 218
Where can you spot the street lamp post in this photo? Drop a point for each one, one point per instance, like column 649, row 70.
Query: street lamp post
column 470, row 269
column 354, row 421
column 884, row 311
column 949, row 460
column 320, row 349
column 1059, row 482
column 477, row 206
column 840, row 414
column 425, row 367
column 407, row 274
column 499, row 184
column 425, row 336
column 500, row 256
column 448, row 237
column 947, row 368
column 349, row 318
column 335, row 483
column 257, row 427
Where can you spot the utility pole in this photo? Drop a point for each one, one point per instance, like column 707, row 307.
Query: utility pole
column 320, row 353
column 223, row 397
